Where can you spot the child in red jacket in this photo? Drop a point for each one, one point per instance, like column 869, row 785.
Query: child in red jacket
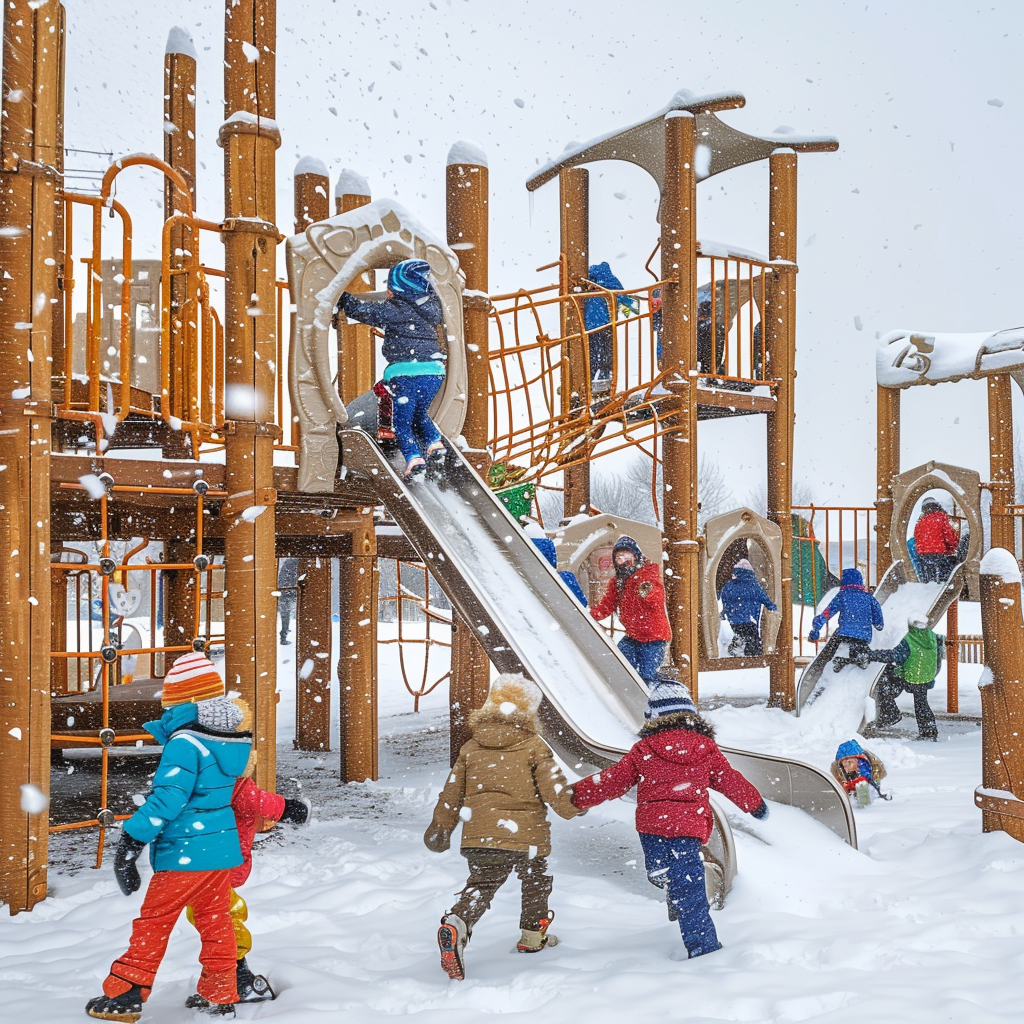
column 673, row 766
column 255, row 811
column 638, row 595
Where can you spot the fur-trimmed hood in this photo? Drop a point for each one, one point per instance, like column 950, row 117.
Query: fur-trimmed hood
column 497, row 729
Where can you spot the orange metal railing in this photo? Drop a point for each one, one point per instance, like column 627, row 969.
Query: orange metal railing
column 531, row 426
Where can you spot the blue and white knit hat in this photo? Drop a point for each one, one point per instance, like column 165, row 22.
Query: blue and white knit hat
column 668, row 696
column 410, row 278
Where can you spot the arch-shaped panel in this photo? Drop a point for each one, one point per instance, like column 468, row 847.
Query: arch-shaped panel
column 764, row 549
column 322, row 261
column 964, row 485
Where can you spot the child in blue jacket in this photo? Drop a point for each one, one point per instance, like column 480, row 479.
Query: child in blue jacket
column 742, row 600
column 597, row 321
column 858, row 613
column 189, row 825
column 409, row 317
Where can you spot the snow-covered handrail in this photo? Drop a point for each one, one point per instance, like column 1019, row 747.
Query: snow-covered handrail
column 905, row 358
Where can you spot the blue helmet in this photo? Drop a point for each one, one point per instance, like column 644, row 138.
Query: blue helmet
column 410, row 279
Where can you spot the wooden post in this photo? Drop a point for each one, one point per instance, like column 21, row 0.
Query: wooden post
column 58, row 631
column 313, row 604
column 781, row 340
column 953, row 658
column 888, row 464
column 1002, row 694
column 467, row 192
column 32, row 114
column 357, row 356
column 357, row 659
column 679, row 447
column 1000, row 460
column 180, row 153
column 574, row 238
column 249, row 138
column 313, row 655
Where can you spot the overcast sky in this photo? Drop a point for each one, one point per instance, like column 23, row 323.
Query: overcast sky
column 915, row 222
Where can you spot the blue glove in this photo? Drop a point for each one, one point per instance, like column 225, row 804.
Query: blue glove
column 125, row 871
column 814, row 636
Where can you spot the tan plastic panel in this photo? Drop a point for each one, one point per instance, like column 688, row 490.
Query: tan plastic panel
column 765, row 554
column 964, row 485
column 322, row 261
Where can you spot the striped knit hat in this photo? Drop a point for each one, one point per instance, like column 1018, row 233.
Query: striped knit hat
column 191, row 678
column 668, row 696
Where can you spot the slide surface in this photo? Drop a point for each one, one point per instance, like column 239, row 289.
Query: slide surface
column 899, row 598
column 528, row 621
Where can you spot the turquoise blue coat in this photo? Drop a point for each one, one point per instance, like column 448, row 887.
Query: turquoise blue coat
column 187, row 818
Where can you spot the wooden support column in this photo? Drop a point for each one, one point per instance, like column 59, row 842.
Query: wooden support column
column 357, row 659
column 313, row 606
column 1000, row 460
column 781, row 338
column 1002, row 697
column 888, row 463
column 313, row 655
column 249, row 138
column 179, row 598
column 32, row 112
column 58, row 631
column 180, row 152
column 679, row 447
column 467, row 196
column 574, row 239
column 953, row 658
column 357, row 356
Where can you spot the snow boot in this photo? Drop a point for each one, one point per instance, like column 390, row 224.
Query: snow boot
column 415, row 468
column 673, row 914
column 862, row 793
column 125, row 1007
column 452, row 937
column 534, row 942
column 203, row 1005
column 436, row 456
column 252, row 988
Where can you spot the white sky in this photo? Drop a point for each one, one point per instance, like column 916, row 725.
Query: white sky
column 913, row 223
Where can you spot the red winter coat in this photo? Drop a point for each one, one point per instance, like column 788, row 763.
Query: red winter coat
column 934, row 535
column 254, row 808
column 672, row 771
column 643, row 618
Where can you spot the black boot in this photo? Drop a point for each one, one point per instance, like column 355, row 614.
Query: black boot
column 125, row 1007
column 252, row 988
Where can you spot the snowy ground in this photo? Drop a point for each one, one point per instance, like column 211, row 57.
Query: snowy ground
column 921, row 924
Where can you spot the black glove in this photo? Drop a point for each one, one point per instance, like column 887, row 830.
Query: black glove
column 125, row 871
column 297, row 811
column 761, row 813
column 339, row 308
column 436, row 839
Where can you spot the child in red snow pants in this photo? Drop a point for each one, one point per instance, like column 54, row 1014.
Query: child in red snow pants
column 168, row 894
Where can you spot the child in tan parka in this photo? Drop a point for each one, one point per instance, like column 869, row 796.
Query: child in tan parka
column 500, row 787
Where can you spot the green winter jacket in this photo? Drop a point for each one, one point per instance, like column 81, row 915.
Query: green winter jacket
column 920, row 661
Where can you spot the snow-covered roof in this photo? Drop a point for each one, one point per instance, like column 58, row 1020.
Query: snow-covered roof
column 904, row 358
column 351, row 183
column 179, row 40
column 465, row 151
column 719, row 147
column 311, row 165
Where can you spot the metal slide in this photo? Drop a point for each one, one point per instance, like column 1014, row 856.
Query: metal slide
column 528, row 621
column 933, row 607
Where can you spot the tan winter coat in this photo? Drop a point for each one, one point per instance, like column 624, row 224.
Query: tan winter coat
column 500, row 786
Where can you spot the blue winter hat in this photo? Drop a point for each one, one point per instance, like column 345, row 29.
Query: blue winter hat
column 851, row 748
column 668, row 696
column 852, row 578
column 410, row 278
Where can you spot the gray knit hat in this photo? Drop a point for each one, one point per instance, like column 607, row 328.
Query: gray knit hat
column 668, row 696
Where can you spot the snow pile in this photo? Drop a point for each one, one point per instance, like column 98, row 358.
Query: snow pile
column 999, row 562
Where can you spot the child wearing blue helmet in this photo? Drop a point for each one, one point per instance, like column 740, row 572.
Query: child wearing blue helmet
column 410, row 317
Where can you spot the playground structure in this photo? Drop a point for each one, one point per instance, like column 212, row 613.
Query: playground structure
column 246, row 406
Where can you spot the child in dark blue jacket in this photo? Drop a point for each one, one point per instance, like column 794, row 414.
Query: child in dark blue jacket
column 858, row 613
column 546, row 546
column 742, row 600
column 597, row 321
column 409, row 317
